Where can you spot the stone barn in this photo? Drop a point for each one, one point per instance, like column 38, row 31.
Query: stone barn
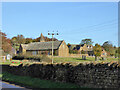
column 38, row 48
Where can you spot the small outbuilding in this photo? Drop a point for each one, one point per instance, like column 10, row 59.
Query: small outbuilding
column 8, row 57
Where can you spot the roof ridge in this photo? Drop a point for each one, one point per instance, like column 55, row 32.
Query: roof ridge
column 43, row 45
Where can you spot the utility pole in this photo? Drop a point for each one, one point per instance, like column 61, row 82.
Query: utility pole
column 52, row 42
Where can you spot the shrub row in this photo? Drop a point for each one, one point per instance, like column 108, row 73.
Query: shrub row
column 28, row 57
column 89, row 75
column 32, row 57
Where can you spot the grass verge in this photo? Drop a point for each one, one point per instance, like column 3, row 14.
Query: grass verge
column 34, row 82
column 80, row 60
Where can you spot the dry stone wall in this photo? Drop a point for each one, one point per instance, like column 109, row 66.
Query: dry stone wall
column 93, row 76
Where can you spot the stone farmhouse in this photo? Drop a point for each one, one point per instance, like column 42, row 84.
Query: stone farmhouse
column 38, row 48
column 103, row 53
column 83, row 49
column 86, row 49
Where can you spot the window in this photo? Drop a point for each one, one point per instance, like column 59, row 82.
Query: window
column 34, row 52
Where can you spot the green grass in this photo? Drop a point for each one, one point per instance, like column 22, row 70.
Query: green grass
column 74, row 60
column 80, row 60
column 1, row 75
column 35, row 82
column 10, row 62
column 7, row 62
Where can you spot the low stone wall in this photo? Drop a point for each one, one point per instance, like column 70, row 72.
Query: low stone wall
column 77, row 55
column 89, row 75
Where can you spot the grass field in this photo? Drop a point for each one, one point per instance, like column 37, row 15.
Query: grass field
column 80, row 60
column 75, row 60
column 16, row 62
column 35, row 82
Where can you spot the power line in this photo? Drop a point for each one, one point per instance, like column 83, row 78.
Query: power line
column 114, row 21
column 92, row 29
column 111, row 21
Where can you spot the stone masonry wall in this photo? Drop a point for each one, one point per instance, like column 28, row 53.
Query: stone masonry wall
column 93, row 76
column 63, row 50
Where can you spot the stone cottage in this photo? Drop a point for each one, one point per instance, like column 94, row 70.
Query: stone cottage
column 103, row 53
column 38, row 48
column 86, row 49
column 83, row 49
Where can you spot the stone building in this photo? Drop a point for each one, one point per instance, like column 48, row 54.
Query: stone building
column 38, row 48
column 23, row 48
column 83, row 49
column 103, row 53
column 86, row 49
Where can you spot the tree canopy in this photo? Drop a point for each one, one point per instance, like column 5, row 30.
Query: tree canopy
column 20, row 39
column 97, row 50
column 87, row 41
column 6, row 43
column 108, row 46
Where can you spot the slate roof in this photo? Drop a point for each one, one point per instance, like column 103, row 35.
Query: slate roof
column 102, row 48
column 43, row 45
column 73, row 46
column 78, row 46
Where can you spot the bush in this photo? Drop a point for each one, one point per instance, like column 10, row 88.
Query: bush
column 18, row 57
column 45, row 59
column 42, row 58
column 83, row 52
column 28, row 57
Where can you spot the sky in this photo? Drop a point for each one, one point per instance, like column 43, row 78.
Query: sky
column 73, row 20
